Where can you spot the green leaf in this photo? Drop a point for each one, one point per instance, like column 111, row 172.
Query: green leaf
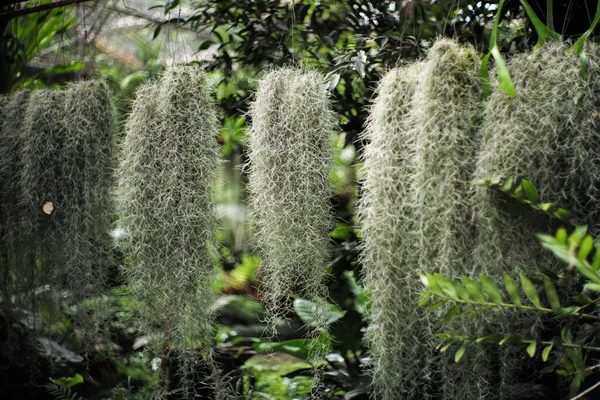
column 596, row 262
column 68, row 382
column 580, row 231
column 513, row 289
column 530, row 191
column 484, row 74
column 473, row 289
column 505, row 83
column 447, row 286
column 585, row 248
column 443, row 349
column 530, row 291
column 436, row 305
column 595, row 287
column 579, row 46
column 507, row 185
column 547, row 207
column 490, row 288
column 544, row 33
column 576, row 384
column 546, row 352
column 563, row 214
column 531, row 348
column 519, row 193
column 460, row 353
column 300, row 348
column 315, row 314
column 493, row 339
column 510, row 339
column 561, row 236
column 551, row 294
column 451, row 313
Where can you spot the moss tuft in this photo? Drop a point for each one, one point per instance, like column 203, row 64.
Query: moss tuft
column 290, row 162
column 544, row 135
column 416, row 215
column 169, row 163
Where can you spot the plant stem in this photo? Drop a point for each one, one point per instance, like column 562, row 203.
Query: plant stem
column 506, row 305
column 550, row 14
column 587, row 391
column 568, row 345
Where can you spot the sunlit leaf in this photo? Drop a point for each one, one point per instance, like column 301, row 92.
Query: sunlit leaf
column 532, row 348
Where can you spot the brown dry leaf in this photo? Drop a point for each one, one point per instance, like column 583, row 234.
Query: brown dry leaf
column 48, row 207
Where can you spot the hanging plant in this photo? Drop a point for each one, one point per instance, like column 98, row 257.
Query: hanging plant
column 416, row 214
column 290, row 162
column 169, row 163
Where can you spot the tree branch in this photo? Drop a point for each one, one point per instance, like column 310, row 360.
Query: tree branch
column 41, row 7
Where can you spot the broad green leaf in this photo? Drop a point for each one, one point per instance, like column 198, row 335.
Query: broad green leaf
column 317, row 314
column 586, row 246
column 544, row 33
column 531, row 348
column 551, row 294
column 546, row 352
column 513, row 289
column 505, row 83
column 443, row 349
column 530, row 191
column 490, row 288
column 473, row 289
column 460, row 353
column 530, row 291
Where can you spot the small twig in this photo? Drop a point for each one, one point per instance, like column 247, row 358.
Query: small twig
column 41, row 7
column 506, row 305
column 587, row 391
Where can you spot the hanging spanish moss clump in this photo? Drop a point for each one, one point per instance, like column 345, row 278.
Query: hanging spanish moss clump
column 416, row 216
column 387, row 227
column 42, row 195
column 447, row 106
column 12, row 253
column 170, row 159
column 86, row 181
column 290, row 162
column 547, row 134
